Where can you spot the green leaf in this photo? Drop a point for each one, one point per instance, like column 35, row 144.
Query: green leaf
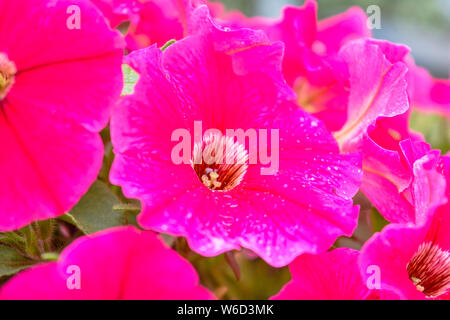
column 12, row 239
column 31, row 241
column 96, row 211
column 378, row 221
column 130, row 78
column 11, row 261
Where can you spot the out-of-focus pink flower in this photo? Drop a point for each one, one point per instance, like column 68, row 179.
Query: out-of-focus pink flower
column 118, row 11
column 378, row 84
column 230, row 80
column 158, row 21
column 116, row 264
column 150, row 21
column 414, row 261
column 400, row 176
column 57, row 83
column 444, row 169
column 311, row 64
column 332, row 275
column 427, row 94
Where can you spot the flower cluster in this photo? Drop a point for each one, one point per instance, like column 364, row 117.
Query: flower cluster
column 240, row 133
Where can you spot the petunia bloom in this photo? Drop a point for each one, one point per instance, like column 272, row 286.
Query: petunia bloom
column 157, row 21
column 59, row 76
column 428, row 94
column 149, row 21
column 116, row 264
column 117, row 12
column 378, row 87
column 400, row 170
column 311, row 64
column 332, row 275
column 230, row 80
column 413, row 261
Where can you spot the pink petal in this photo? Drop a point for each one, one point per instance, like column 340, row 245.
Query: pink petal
column 377, row 89
column 46, row 163
column 158, row 22
column 86, row 97
column 387, row 133
column 116, row 11
column 207, row 77
column 385, row 179
column 332, row 275
column 132, row 265
column 61, row 98
column 427, row 94
column 405, row 185
column 49, row 17
column 428, row 187
column 337, row 30
column 310, row 63
column 393, row 248
column 391, row 251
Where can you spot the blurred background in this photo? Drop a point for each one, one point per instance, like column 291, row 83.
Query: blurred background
column 422, row 25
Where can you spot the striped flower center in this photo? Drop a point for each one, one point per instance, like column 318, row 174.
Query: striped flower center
column 220, row 162
column 429, row 270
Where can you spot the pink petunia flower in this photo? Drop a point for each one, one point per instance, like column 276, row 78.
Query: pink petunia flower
column 158, row 21
column 413, row 261
column 406, row 189
column 118, row 11
column 150, row 21
column 116, row 264
column 428, row 94
column 400, row 170
column 378, row 87
column 332, row 275
column 311, row 64
column 230, row 80
column 59, row 75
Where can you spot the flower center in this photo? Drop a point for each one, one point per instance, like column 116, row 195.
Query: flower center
column 429, row 270
column 7, row 73
column 310, row 98
column 220, row 163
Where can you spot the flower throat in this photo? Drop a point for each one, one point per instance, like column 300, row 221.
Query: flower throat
column 219, row 162
column 7, row 75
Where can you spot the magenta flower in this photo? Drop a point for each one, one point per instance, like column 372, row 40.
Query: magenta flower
column 57, row 83
column 311, row 64
column 117, row 264
column 118, row 11
column 150, row 21
column 429, row 95
column 402, row 178
column 405, row 185
column 230, row 80
column 365, row 100
column 378, row 87
column 332, row 275
column 413, row 261
column 400, row 171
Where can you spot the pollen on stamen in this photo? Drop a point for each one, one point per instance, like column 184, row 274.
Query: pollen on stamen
column 7, row 75
column 220, row 162
column 429, row 270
